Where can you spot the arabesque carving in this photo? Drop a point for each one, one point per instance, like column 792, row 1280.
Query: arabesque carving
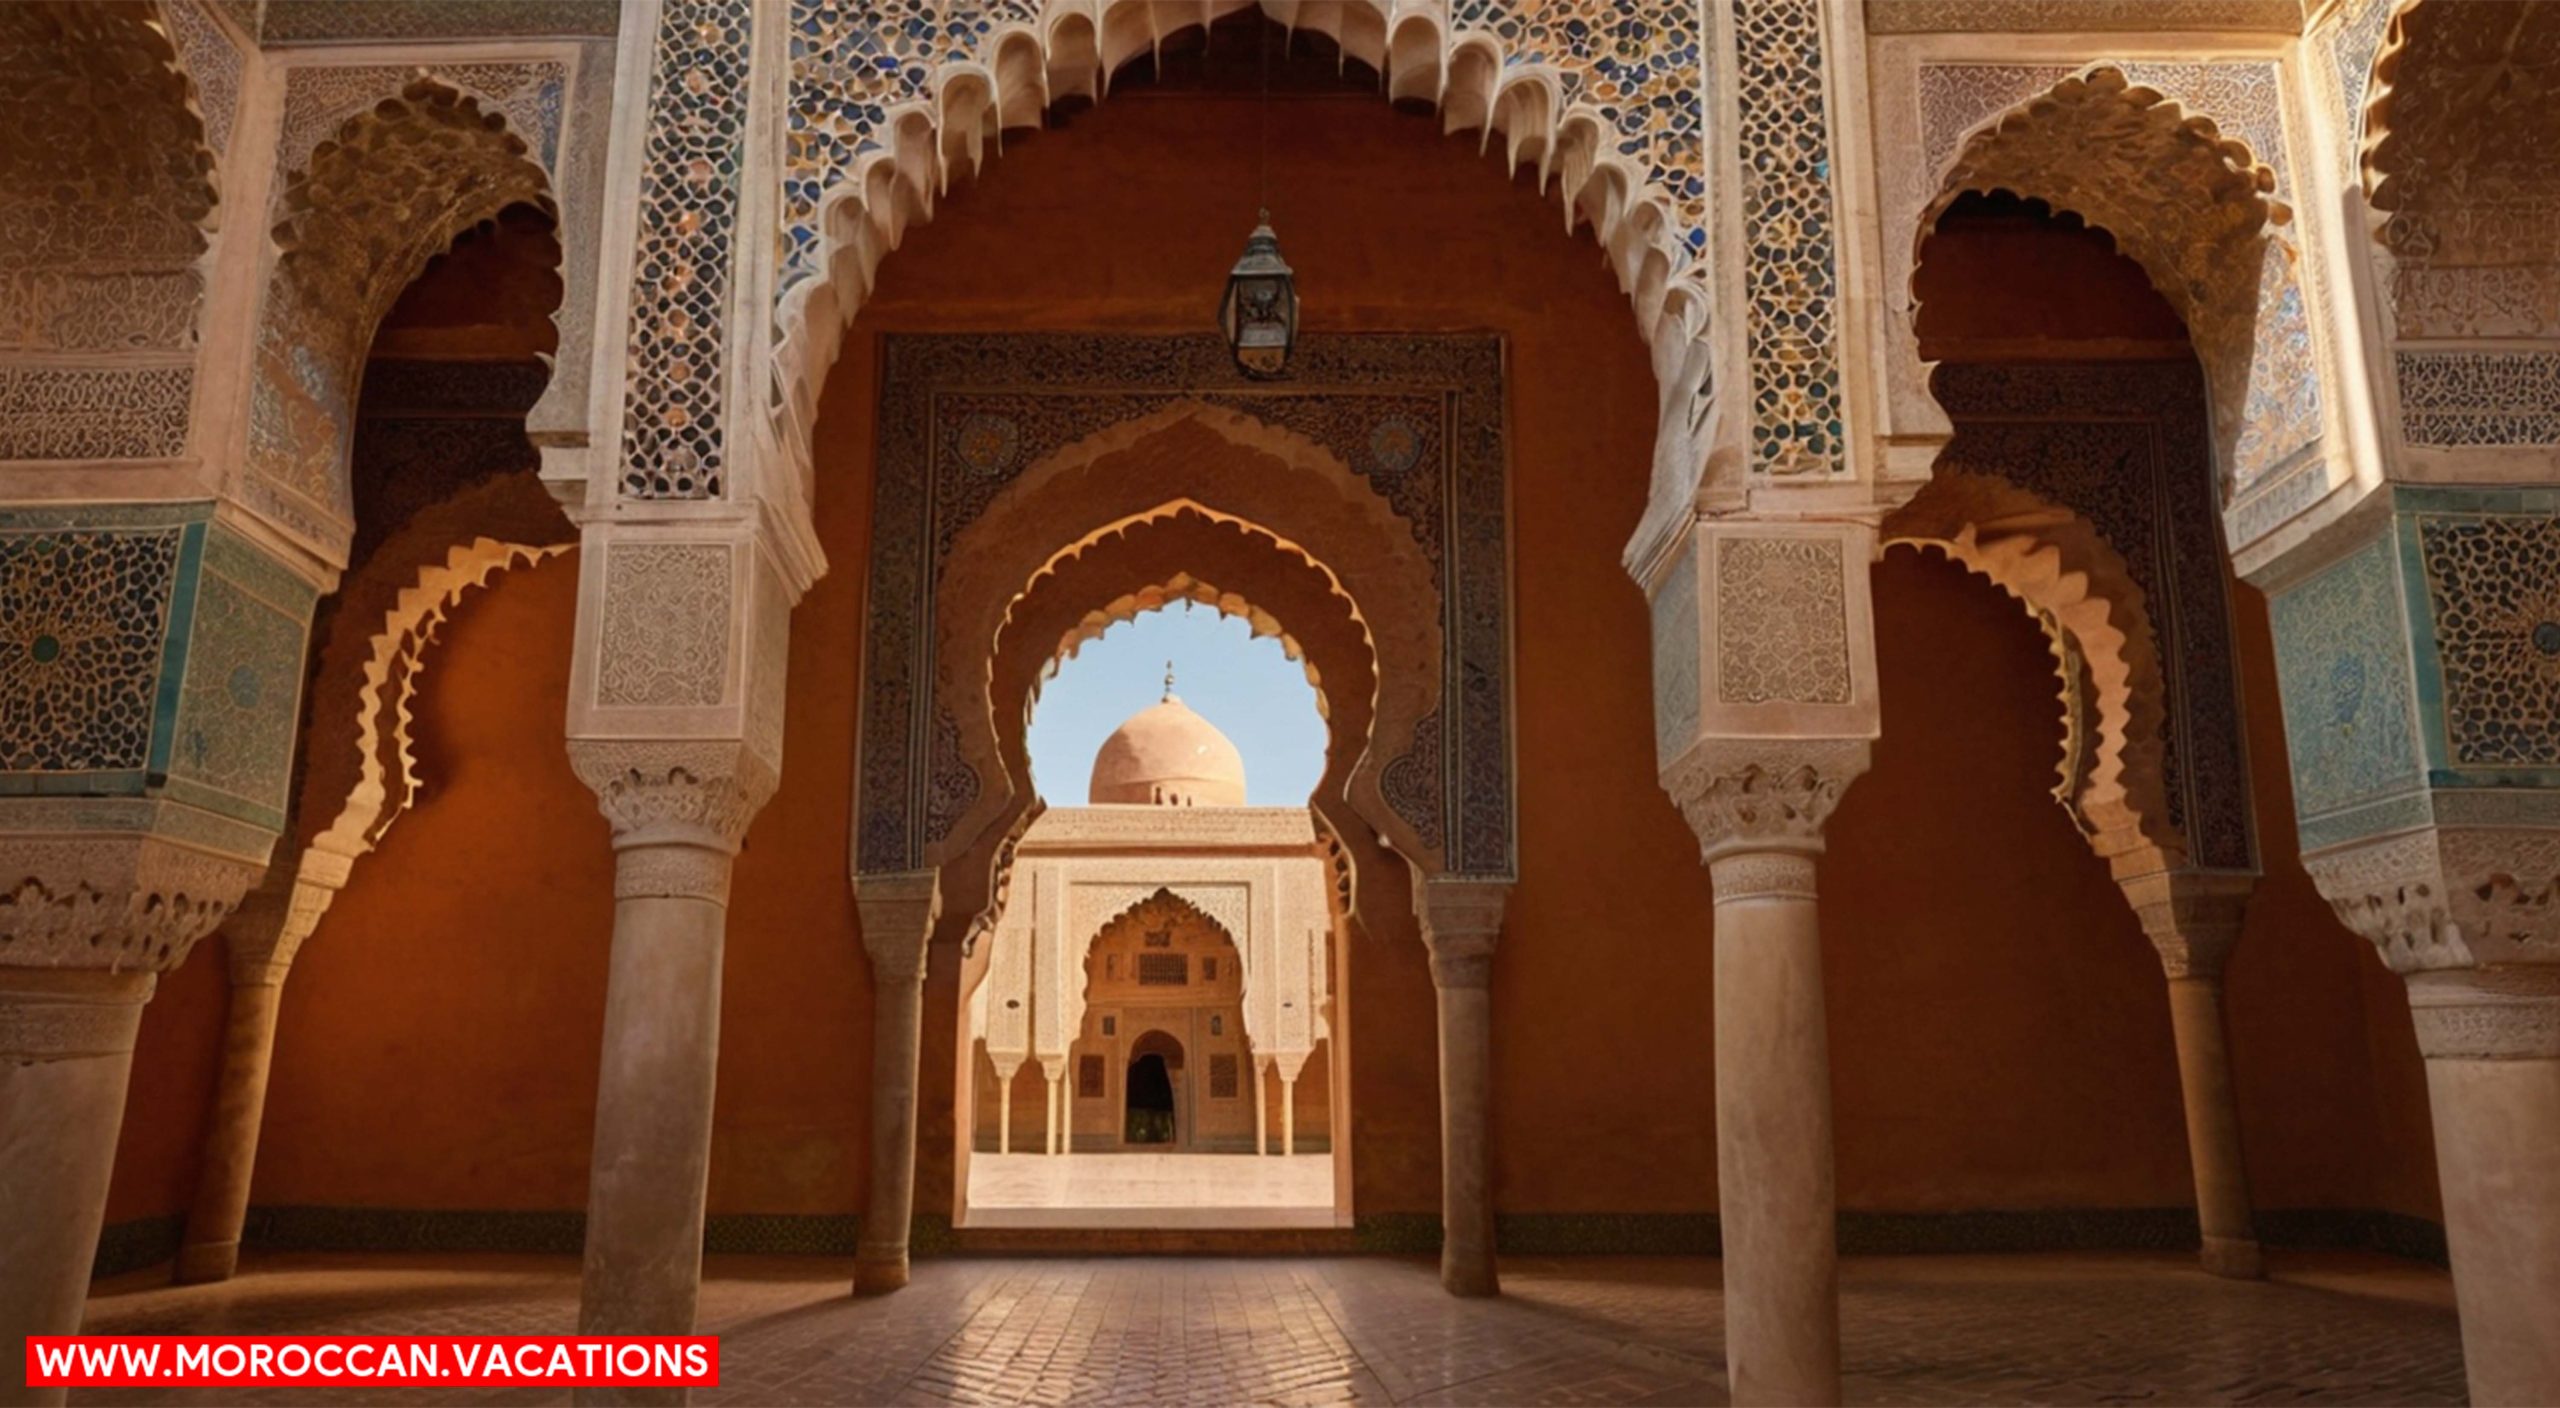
column 106, row 181
column 1763, row 794
column 394, row 188
column 862, row 196
column 2449, row 897
column 2197, row 210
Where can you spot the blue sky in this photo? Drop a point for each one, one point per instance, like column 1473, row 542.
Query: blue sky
column 1249, row 688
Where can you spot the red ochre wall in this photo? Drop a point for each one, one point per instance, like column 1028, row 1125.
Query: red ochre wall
column 1999, row 1027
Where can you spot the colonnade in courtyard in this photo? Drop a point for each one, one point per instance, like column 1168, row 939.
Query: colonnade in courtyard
column 2373, row 482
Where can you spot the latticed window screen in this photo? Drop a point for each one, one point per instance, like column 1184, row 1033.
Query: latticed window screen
column 1159, row 938
column 1222, row 1075
column 1110, row 1026
column 1088, row 1077
column 1164, row 970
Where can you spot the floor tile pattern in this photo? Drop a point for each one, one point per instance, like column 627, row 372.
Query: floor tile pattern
column 1962, row 1330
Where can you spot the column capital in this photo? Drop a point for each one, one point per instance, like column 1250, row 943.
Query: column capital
column 2192, row 917
column 2448, row 897
column 678, row 807
column 1744, row 796
column 265, row 933
column 899, row 910
column 114, row 900
column 2488, row 1014
column 1461, row 923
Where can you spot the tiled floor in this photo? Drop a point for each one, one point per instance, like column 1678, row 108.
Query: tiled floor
column 2328, row 1328
column 1150, row 1190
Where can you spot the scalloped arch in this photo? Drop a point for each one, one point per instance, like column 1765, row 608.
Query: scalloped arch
column 107, row 185
column 395, row 187
column 1191, row 591
column 1073, row 47
column 2194, row 208
column 1313, row 509
column 2063, row 570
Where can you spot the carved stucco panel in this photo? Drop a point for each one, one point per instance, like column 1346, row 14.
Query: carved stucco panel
column 1782, row 621
column 664, row 641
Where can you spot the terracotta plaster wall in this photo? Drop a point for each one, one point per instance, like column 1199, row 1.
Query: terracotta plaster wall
column 438, row 1039
column 2000, row 1034
column 170, row 1096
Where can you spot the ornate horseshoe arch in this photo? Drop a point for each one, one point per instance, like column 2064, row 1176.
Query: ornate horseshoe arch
column 1373, row 480
column 2202, row 214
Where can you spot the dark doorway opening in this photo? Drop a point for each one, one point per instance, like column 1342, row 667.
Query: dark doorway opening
column 1150, row 1117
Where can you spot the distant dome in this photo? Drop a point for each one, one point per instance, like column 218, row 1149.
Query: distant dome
column 1168, row 756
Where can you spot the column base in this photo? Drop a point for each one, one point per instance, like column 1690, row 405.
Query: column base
column 1473, row 1281
column 205, row 1262
column 879, row 1273
column 2235, row 1257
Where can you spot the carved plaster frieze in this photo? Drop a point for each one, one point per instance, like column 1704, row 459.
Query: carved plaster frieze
column 1763, row 794
column 898, row 916
column 2449, row 897
column 127, row 902
column 2488, row 1014
column 51, row 1015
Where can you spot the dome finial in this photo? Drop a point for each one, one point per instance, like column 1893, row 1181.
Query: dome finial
column 1168, row 679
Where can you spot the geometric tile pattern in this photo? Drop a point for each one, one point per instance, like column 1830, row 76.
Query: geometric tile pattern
column 2493, row 591
column 2342, row 661
column 84, row 618
column 1789, row 232
column 2326, row 1328
column 680, row 276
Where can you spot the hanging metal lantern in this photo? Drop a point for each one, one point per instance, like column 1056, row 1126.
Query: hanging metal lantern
column 1260, row 312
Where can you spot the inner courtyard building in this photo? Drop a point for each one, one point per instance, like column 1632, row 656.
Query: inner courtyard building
column 1936, row 623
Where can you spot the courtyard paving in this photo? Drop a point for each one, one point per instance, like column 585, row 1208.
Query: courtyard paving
column 2063, row 1328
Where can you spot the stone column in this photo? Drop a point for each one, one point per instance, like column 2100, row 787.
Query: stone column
column 1004, row 1106
column 260, row 942
column 1758, row 814
column 1262, row 1106
column 2194, row 920
column 1461, row 921
column 1049, row 1087
column 2491, row 1037
column 678, row 811
column 66, row 1049
column 2463, row 915
column 898, row 914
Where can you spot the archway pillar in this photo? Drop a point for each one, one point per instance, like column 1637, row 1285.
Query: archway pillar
column 2193, row 919
column 1765, row 709
column 91, row 922
column 898, row 915
column 1262, row 1105
column 2415, row 658
column 679, row 810
column 2452, row 911
column 260, row 943
column 1461, row 921
column 66, row 1051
